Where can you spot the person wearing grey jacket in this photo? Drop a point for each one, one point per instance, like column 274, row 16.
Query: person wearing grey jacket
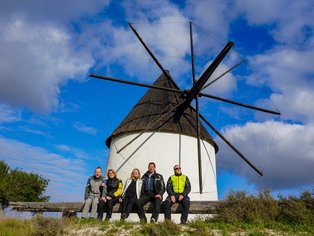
column 93, row 192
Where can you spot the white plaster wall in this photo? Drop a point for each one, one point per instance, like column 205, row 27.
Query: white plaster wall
column 166, row 150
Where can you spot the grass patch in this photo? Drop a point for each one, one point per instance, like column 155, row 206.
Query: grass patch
column 12, row 227
column 166, row 228
column 238, row 214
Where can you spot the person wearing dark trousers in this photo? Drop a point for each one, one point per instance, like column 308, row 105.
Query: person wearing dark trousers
column 111, row 197
column 130, row 193
column 152, row 191
column 178, row 188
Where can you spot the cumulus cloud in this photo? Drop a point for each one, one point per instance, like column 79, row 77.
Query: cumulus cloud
column 57, row 11
column 283, row 151
column 212, row 21
column 162, row 27
column 224, row 85
column 36, row 59
column 289, row 73
column 291, row 28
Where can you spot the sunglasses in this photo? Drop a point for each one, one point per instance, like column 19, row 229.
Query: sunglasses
column 177, row 168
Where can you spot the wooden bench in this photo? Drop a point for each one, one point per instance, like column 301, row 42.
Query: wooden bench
column 196, row 207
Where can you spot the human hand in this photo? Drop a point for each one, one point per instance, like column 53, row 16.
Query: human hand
column 120, row 199
column 173, row 199
column 181, row 198
column 108, row 198
column 103, row 199
column 158, row 196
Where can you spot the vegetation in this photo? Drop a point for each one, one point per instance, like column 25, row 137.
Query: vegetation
column 17, row 185
column 264, row 209
column 238, row 214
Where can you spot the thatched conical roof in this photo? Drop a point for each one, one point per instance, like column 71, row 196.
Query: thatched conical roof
column 151, row 106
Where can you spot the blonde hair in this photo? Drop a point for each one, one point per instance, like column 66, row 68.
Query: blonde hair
column 113, row 171
column 135, row 169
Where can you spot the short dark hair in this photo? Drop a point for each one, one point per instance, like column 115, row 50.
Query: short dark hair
column 152, row 163
column 98, row 167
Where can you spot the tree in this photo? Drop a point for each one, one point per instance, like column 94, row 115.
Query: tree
column 17, row 185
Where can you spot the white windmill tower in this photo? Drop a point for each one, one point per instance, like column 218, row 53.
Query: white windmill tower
column 165, row 128
column 164, row 141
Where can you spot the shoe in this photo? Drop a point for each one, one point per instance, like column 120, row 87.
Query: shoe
column 123, row 216
column 183, row 223
column 152, row 220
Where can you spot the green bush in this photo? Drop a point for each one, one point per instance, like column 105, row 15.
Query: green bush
column 297, row 210
column 264, row 209
column 241, row 207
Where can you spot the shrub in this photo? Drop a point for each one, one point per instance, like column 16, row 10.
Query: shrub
column 47, row 226
column 297, row 210
column 241, row 207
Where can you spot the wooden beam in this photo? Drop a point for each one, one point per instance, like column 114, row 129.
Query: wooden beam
column 196, row 207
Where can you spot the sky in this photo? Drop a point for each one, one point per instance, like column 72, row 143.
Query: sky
column 54, row 119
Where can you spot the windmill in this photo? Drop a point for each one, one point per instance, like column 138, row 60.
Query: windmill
column 164, row 127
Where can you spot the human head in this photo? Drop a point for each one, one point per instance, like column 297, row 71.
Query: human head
column 136, row 174
column 177, row 169
column 111, row 173
column 151, row 167
column 97, row 172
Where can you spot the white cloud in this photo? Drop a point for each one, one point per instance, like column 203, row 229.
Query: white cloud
column 289, row 73
column 57, row 11
column 36, row 59
column 168, row 41
column 9, row 114
column 84, row 128
column 290, row 20
column 283, row 151
column 212, row 21
column 224, row 85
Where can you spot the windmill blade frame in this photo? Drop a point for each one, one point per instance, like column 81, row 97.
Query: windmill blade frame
column 260, row 172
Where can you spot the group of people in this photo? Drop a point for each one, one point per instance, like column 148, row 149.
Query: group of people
column 101, row 193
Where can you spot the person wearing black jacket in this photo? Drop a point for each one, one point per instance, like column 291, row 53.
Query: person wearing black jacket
column 111, row 196
column 152, row 190
column 178, row 188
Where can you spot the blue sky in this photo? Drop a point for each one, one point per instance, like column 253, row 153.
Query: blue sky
column 54, row 119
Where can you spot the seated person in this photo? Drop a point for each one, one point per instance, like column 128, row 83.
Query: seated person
column 153, row 189
column 178, row 188
column 130, row 193
column 93, row 191
column 111, row 195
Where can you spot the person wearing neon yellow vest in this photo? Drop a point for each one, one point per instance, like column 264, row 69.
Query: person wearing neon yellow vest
column 178, row 188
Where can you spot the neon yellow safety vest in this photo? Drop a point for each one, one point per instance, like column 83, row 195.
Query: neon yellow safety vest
column 178, row 183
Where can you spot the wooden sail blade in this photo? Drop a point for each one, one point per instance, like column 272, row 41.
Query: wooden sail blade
column 240, row 104
column 198, row 132
column 137, row 83
column 199, row 153
column 150, row 53
column 205, row 76
column 223, row 74
column 231, row 146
